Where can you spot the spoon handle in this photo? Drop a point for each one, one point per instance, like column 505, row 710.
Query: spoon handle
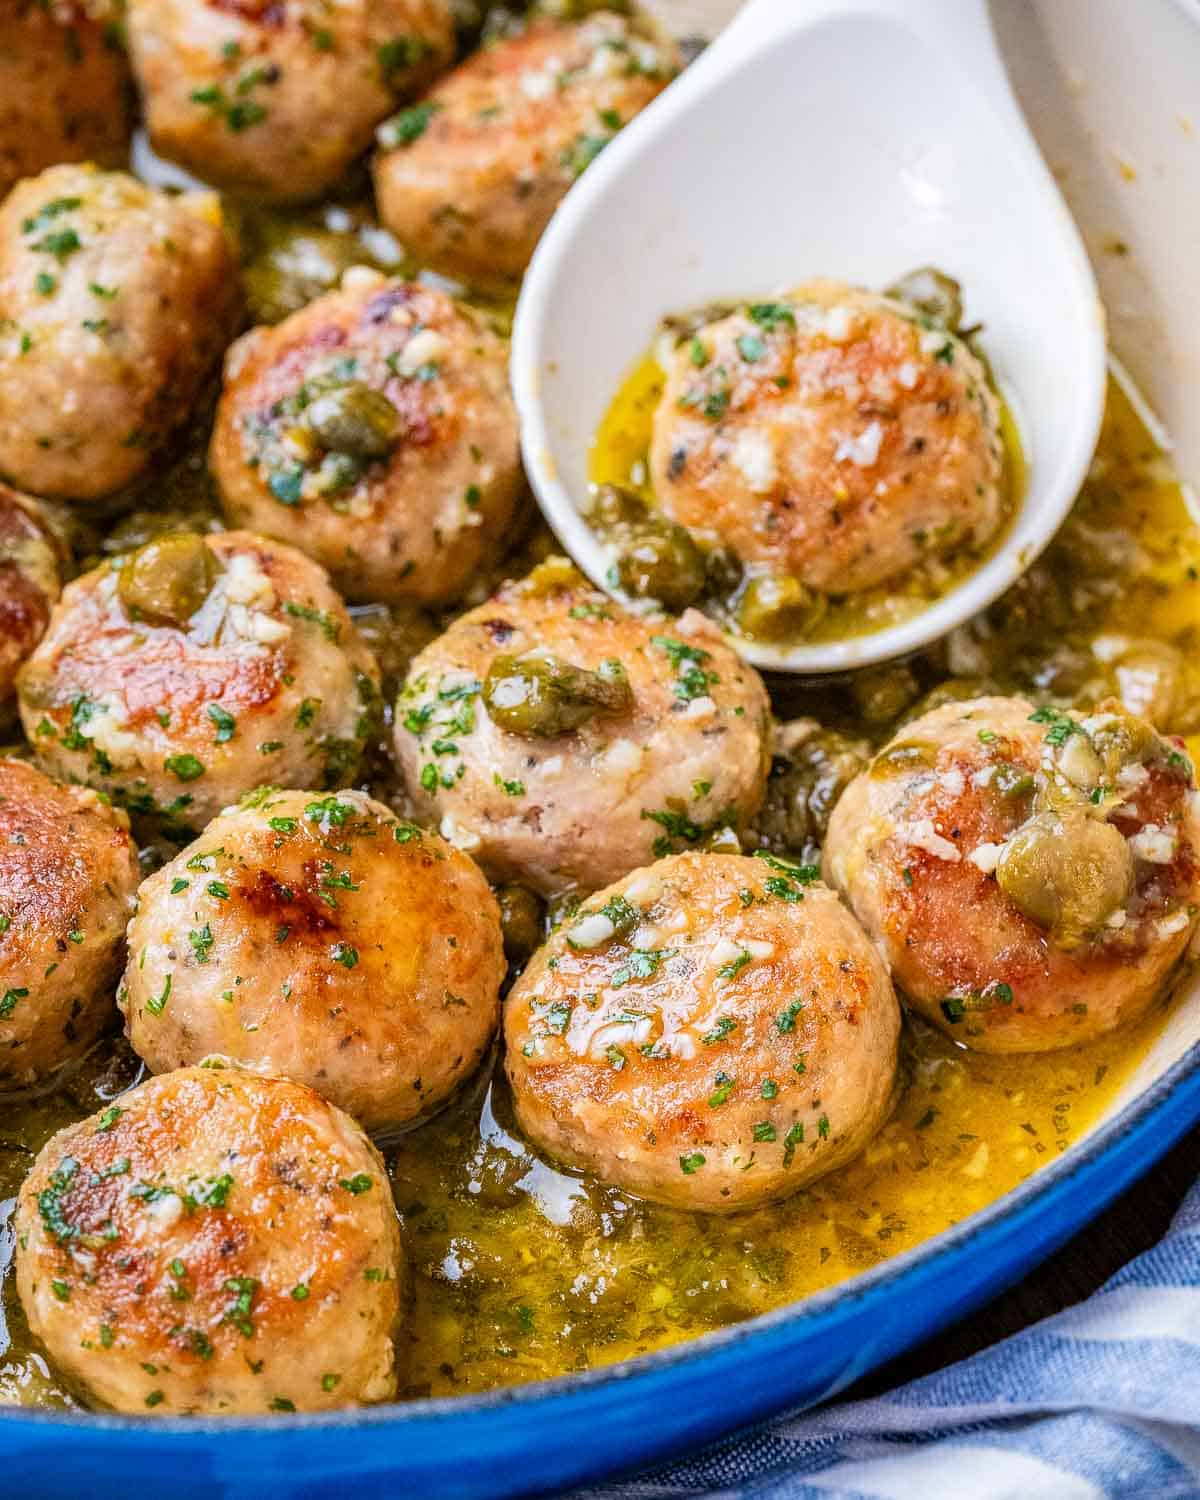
column 960, row 29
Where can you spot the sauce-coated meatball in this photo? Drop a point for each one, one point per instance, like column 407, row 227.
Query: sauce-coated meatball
column 564, row 742
column 277, row 97
column 214, row 1242
column 30, row 581
column 1030, row 875
column 63, row 87
column 322, row 939
column 835, row 437
column 374, row 429
column 68, row 871
column 711, row 1032
column 469, row 178
column 182, row 675
column 117, row 300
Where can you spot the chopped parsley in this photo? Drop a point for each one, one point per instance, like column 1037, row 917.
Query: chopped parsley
column 226, row 724
column 406, row 127
column 185, row 767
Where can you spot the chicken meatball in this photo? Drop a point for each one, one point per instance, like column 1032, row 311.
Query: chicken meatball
column 323, row 939
column 117, row 301
column 67, row 879
column 63, row 87
column 564, row 742
column 374, row 428
column 711, row 1032
column 469, row 177
column 837, row 438
column 31, row 560
column 182, row 675
column 278, row 99
column 1031, row 875
column 216, row 1243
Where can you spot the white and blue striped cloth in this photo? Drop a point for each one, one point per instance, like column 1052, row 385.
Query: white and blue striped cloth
column 1100, row 1402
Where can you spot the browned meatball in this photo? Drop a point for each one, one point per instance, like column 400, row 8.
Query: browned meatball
column 30, row 581
column 563, row 741
column 184, row 674
column 711, row 1032
column 277, row 97
column 68, row 871
column 63, row 86
column 1031, row 876
column 215, row 1242
column 321, row 938
column 469, row 177
column 374, row 429
column 116, row 302
column 831, row 437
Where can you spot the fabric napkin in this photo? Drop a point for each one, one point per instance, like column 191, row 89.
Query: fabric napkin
column 1100, row 1402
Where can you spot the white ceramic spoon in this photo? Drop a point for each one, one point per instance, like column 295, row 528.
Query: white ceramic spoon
column 849, row 138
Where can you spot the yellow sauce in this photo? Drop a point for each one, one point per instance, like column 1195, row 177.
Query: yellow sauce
column 620, row 456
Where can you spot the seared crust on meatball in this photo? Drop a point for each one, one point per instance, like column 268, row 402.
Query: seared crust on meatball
column 834, row 437
column 117, row 300
column 63, row 87
column 68, row 872
column 181, row 676
column 712, row 1032
column 322, row 939
column 679, row 753
column 277, row 97
column 469, row 178
column 31, row 558
column 215, row 1243
column 374, row 429
column 1030, row 875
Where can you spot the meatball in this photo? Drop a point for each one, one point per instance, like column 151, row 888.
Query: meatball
column 374, row 428
column 1031, row 876
column 564, row 742
column 711, row 1032
column 214, row 1242
column 182, row 675
column 320, row 938
column 67, row 878
column 469, row 177
column 278, row 99
column 31, row 559
column 63, row 87
column 837, row 438
column 117, row 301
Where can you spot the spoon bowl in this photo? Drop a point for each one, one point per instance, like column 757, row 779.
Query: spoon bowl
column 846, row 138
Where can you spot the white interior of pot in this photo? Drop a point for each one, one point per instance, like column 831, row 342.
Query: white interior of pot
column 1108, row 89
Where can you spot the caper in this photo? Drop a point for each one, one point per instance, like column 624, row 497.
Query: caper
column 656, row 559
column 659, row 560
column 1121, row 739
column 953, row 690
column 904, row 755
column 931, row 292
column 613, row 506
column 521, row 918
column 809, row 772
column 354, row 419
column 1068, row 872
column 883, row 693
column 777, row 607
column 540, row 696
column 167, row 580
